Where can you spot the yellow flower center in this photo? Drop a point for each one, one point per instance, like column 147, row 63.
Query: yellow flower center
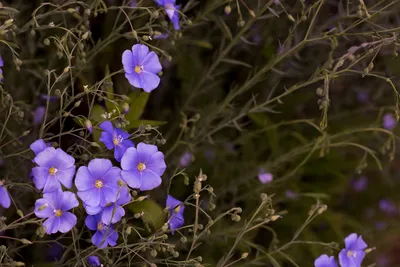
column 138, row 69
column 351, row 253
column 98, row 184
column 117, row 140
column 57, row 213
column 100, row 226
column 141, row 166
column 53, row 170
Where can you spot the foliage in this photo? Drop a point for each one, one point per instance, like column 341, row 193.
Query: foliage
column 295, row 88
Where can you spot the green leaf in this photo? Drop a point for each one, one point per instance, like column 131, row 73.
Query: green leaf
column 137, row 105
column 153, row 214
column 137, row 123
column 96, row 113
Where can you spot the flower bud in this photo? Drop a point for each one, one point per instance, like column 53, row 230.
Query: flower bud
column 228, row 10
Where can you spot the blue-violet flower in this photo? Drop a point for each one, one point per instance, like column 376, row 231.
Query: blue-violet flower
column 141, row 67
column 176, row 209
column 143, row 166
column 55, row 207
column 105, row 234
column 115, row 138
column 55, row 167
column 98, row 183
column 353, row 253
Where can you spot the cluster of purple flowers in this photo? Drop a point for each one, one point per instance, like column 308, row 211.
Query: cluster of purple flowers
column 351, row 256
column 102, row 187
column 54, row 168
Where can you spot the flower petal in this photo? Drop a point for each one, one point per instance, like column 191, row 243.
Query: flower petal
column 343, row 259
column 93, row 210
column 149, row 81
column 5, row 200
column 52, row 225
column 45, row 158
column 67, row 222
column 38, row 146
column 99, row 167
column 172, row 202
column 109, row 195
column 157, row 163
column 139, row 54
column 124, row 196
column 69, row 201
column 119, row 152
column 108, row 217
column 52, row 185
column 152, row 63
column 40, row 176
column 349, row 240
column 132, row 178
column 145, row 151
column 359, row 244
column 150, row 180
column 62, row 160
column 66, row 176
column 90, row 197
column 99, row 240
column 134, row 79
column 129, row 160
column 108, row 127
column 128, row 62
column 111, row 177
column 106, row 139
column 43, row 209
column 91, row 222
column 84, row 180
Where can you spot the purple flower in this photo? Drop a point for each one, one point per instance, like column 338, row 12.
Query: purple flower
column 265, row 177
column 389, row 121
column 353, row 254
column 115, row 138
column 360, row 184
column 55, row 206
column 143, row 166
column 94, row 261
column 55, row 167
column 387, row 206
column 325, row 261
column 172, row 11
column 381, row 225
column 141, row 67
column 54, row 252
column 5, row 200
column 176, row 209
column 97, row 184
column 133, row 3
column 362, row 96
column 1, row 70
column 112, row 212
column 38, row 115
column 38, row 146
column 105, row 234
column 185, row 159
column 291, row 194
column 47, row 97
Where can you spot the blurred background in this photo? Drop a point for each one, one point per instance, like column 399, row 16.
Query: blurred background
column 294, row 99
